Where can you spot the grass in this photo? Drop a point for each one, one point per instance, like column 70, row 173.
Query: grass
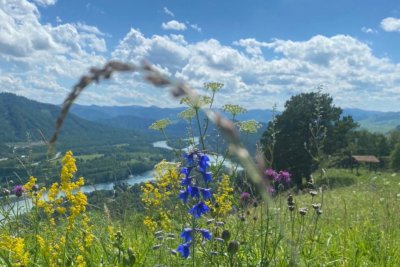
column 358, row 227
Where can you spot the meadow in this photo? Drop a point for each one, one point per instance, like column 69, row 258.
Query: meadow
column 198, row 213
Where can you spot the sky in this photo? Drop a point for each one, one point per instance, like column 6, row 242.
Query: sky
column 263, row 51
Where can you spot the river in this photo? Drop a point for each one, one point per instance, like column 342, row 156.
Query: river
column 26, row 204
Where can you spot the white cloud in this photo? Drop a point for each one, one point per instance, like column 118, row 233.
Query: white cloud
column 168, row 12
column 390, row 24
column 346, row 66
column 41, row 61
column 251, row 46
column 46, row 2
column 195, row 27
column 174, row 25
column 368, row 30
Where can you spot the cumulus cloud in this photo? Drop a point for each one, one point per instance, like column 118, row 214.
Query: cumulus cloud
column 46, row 2
column 195, row 27
column 251, row 46
column 39, row 60
column 390, row 24
column 346, row 66
column 168, row 12
column 173, row 25
column 368, row 30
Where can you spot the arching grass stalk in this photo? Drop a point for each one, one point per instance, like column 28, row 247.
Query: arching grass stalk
column 201, row 134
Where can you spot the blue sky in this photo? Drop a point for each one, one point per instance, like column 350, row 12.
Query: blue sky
column 263, row 51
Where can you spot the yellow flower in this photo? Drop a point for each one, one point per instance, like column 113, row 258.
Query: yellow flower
column 16, row 248
column 28, row 186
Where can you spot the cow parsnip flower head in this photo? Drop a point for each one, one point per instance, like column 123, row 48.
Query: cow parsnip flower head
column 249, row 126
column 160, row 124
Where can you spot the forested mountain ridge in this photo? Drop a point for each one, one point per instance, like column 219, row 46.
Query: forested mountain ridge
column 20, row 116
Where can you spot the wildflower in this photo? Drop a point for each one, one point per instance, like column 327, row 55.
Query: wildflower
column 313, row 193
column 205, row 193
column 207, row 177
column 316, row 206
column 183, row 195
column 187, row 234
column 194, row 191
column 245, row 196
column 199, row 209
column 18, row 190
column 5, row 192
column 184, row 250
column 303, row 211
column 205, row 233
column 189, row 158
column 271, row 191
column 30, row 184
column 271, row 174
column 284, row 176
column 204, row 163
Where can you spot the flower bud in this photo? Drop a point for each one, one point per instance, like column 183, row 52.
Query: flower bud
column 233, row 247
column 226, row 235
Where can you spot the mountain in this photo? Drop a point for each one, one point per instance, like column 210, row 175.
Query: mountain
column 375, row 121
column 137, row 117
column 20, row 116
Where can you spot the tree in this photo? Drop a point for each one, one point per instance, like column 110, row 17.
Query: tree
column 309, row 127
column 395, row 158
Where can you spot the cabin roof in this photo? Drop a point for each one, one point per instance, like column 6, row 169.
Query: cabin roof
column 366, row 158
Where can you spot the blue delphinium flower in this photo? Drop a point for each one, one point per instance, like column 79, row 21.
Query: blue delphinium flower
column 205, row 193
column 199, row 209
column 183, row 195
column 194, row 191
column 204, row 163
column 190, row 157
column 187, row 234
column 207, row 177
column 200, row 162
column 205, row 233
column 184, row 250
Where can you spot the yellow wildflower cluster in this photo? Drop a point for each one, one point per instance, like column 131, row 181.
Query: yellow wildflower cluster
column 223, row 197
column 63, row 202
column 77, row 201
column 157, row 195
column 14, row 247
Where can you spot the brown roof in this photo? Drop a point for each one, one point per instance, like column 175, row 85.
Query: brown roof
column 368, row 159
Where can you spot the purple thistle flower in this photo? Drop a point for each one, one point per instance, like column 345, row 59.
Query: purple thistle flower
column 205, row 233
column 187, row 234
column 284, row 176
column 18, row 190
column 245, row 196
column 184, row 250
column 199, row 209
column 271, row 174
column 183, row 195
column 206, row 193
column 271, row 191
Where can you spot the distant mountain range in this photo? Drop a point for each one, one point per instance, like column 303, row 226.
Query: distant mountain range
column 138, row 116
column 19, row 116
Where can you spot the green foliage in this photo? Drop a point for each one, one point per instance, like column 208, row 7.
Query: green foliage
column 395, row 158
column 296, row 143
